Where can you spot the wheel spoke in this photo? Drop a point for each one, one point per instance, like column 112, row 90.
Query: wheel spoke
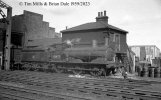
column 58, row 69
column 96, row 72
column 77, row 70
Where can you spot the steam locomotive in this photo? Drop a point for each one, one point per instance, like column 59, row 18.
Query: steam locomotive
column 61, row 58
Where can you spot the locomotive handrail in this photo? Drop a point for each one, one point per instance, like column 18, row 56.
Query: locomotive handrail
column 56, row 62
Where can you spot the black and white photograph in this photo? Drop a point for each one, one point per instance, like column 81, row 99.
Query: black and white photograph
column 80, row 49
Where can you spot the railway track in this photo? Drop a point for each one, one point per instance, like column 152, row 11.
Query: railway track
column 97, row 88
column 47, row 79
column 27, row 93
column 101, row 91
column 129, row 84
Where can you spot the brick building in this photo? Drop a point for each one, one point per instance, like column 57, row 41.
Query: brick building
column 97, row 34
column 28, row 28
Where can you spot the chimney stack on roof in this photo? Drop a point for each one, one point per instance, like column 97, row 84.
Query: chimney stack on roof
column 102, row 17
column 99, row 14
column 105, row 13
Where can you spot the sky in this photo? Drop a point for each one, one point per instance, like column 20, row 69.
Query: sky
column 141, row 18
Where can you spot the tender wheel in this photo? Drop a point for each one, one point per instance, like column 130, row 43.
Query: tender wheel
column 26, row 66
column 77, row 70
column 103, row 72
column 96, row 72
column 45, row 67
column 51, row 68
column 37, row 67
column 58, row 69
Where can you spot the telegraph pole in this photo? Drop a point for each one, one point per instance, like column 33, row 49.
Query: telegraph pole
column 8, row 39
column 7, row 20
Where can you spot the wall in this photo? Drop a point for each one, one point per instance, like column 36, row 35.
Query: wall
column 157, row 52
column 51, row 32
column 136, row 50
column 33, row 25
column 18, row 23
column 45, row 30
column 35, row 28
column 86, row 37
column 149, row 52
column 142, row 53
column 123, row 44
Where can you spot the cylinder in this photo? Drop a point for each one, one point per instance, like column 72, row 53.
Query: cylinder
column 145, row 71
column 139, row 70
column 155, row 72
column 158, row 69
column 151, row 72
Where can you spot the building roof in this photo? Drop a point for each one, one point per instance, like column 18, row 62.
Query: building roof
column 93, row 25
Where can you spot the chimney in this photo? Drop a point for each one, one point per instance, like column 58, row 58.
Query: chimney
column 102, row 17
column 99, row 14
column 105, row 13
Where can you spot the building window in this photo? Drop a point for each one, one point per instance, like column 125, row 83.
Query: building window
column 94, row 43
column 106, row 41
column 106, row 38
column 117, row 41
column 114, row 37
